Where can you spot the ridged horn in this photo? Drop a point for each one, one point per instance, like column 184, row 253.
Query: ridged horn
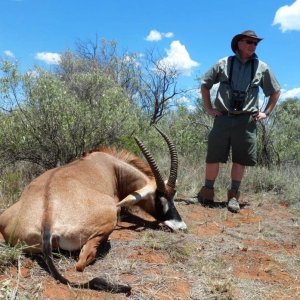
column 153, row 165
column 174, row 160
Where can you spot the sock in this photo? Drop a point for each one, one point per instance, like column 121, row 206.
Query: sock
column 235, row 185
column 209, row 183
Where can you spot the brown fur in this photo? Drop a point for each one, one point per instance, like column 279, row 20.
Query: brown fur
column 125, row 156
column 77, row 202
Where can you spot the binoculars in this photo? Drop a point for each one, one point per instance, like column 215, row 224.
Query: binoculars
column 237, row 100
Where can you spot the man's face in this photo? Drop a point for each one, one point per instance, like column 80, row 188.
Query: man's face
column 247, row 46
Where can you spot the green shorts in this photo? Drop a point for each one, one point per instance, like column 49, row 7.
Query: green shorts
column 235, row 133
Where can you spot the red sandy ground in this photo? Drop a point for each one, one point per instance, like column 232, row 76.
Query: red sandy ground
column 259, row 252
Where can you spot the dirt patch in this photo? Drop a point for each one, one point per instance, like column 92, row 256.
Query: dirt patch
column 251, row 255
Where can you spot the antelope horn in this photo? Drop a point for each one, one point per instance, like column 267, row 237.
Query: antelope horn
column 174, row 160
column 153, row 165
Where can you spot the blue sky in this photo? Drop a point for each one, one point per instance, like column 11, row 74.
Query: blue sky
column 191, row 34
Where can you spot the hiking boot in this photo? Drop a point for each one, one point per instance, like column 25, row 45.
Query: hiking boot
column 206, row 196
column 233, row 203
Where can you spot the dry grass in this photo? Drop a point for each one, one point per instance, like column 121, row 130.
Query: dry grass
column 9, row 256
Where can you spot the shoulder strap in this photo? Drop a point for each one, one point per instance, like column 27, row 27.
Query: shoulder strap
column 252, row 69
column 231, row 59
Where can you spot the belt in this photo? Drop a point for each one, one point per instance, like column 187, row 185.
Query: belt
column 230, row 114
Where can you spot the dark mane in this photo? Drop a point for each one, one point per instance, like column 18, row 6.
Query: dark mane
column 125, row 156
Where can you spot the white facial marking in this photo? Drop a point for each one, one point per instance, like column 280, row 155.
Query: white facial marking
column 173, row 224
column 165, row 204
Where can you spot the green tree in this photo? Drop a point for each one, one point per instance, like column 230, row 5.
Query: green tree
column 278, row 136
column 286, row 132
column 50, row 123
column 122, row 68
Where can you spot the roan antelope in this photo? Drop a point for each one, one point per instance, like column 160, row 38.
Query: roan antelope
column 75, row 206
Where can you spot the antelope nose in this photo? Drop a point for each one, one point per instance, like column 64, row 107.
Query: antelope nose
column 176, row 225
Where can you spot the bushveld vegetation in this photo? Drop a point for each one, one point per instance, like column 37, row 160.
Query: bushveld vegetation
column 96, row 96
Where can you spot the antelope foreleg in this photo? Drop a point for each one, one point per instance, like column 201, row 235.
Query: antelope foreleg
column 88, row 252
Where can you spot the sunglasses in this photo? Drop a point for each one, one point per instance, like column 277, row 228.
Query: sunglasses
column 248, row 42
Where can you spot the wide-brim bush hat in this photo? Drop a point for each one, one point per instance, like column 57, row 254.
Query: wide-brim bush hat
column 246, row 33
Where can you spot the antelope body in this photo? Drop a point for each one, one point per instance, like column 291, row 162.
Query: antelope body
column 75, row 206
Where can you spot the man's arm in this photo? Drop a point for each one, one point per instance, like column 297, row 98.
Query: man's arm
column 269, row 107
column 272, row 102
column 207, row 102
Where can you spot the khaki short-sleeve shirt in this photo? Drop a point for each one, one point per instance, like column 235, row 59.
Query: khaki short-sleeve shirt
column 240, row 80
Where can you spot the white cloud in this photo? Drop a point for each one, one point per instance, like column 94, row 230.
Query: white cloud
column 155, row 35
column 49, row 58
column 293, row 93
column 288, row 17
column 169, row 35
column 179, row 58
column 9, row 53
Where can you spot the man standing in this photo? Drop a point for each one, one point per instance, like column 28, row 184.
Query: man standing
column 236, row 112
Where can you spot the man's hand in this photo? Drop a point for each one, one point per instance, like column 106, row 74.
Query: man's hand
column 259, row 116
column 213, row 112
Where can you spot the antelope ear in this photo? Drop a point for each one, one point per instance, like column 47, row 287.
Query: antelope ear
column 137, row 196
